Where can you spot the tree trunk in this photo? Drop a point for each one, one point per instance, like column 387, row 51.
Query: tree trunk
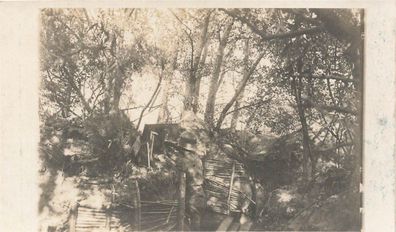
column 194, row 79
column 107, row 94
column 307, row 155
column 214, row 82
column 235, row 114
column 189, row 95
column 197, row 88
column 198, row 78
column 117, row 89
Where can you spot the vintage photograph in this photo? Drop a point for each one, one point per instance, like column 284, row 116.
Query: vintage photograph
column 207, row 119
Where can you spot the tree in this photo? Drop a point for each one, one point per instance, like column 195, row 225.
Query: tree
column 86, row 64
column 197, row 58
column 214, row 81
column 295, row 75
column 88, row 58
column 307, row 68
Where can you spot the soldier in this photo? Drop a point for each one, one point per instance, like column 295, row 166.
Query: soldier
column 190, row 163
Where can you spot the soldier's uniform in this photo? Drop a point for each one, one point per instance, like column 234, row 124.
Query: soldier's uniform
column 191, row 164
column 228, row 191
column 197, row 202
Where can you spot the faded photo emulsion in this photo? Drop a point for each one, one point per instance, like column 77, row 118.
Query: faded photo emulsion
column 209, row 119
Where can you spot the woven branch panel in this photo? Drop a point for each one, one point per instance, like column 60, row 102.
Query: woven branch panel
column 158, row 215
column 89, row 219
column 155, row 216
column 222, row 192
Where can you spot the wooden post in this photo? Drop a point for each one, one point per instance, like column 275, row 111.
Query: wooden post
column 181, row 201
column 225, row 223
column 108, row 218
column 254, row 198
column 137, row 205
column 148, row 155
column 247, row 224
column 73, row 218
column 152, row 139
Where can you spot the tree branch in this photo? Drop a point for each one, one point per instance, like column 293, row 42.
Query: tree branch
column 267, row 37
column 334, row 77
column 327, row 149
column 308, row 102
column 241, row 86
column 151, row 99
column 138, row 107
column 250, row 105
column 76, row 89
column 201, row 45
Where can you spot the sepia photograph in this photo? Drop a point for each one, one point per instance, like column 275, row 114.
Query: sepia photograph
column 206, row 119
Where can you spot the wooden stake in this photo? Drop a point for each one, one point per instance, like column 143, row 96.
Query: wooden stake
column 225, row 223
column 108, row 218
column 247, row 224
column 152, row 139
column 170, row 212
column 254, row 198
column 148, row 155
column 137, row 205
column 182, row 201
column 73, row 218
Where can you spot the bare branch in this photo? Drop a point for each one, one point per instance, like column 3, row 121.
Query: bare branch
column 151, row 99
